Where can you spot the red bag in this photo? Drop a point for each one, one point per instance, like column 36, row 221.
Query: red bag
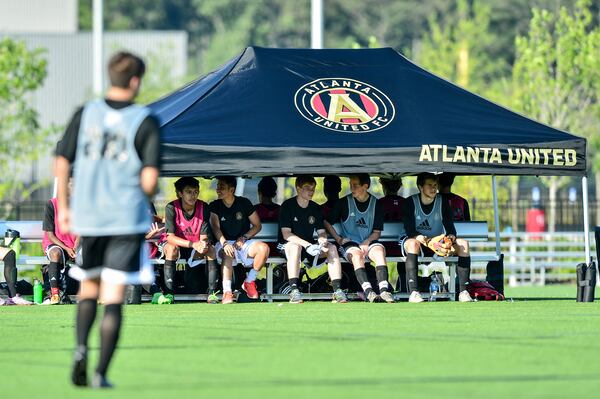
column 484, row 291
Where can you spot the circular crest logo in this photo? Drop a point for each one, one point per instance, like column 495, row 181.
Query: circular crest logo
column 344, row 105
column 238, row 216
column 311, row 220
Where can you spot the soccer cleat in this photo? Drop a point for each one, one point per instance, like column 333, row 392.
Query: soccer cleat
column 227, row 298
column 18, row 300
column 212, row 298
column 415, row 297
column 372, row 297
column 339, row 296
column 296, row 296
column 387, row 297
column 55, row 299
column 100, row 382
column 464, row 296
column 79, row 372
column 250, row 288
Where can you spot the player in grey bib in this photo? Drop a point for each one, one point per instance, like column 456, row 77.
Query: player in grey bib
column 355, row 222
column 427, row 215
column 428, row 224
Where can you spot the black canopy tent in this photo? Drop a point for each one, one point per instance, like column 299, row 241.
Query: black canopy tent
column 290, row 111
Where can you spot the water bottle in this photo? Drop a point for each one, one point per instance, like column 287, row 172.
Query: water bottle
column 434, row 288
column 38, row 291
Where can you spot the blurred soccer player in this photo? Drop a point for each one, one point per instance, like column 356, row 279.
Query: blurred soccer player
column 114, row 146
column 268, row 211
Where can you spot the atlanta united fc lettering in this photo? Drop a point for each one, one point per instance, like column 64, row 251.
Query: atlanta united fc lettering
column 344, row 105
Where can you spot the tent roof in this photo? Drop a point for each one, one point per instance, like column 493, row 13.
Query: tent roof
column 288, row 111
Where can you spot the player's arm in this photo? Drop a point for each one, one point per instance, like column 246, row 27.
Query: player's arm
column 335, row 215
column 256, row 225
column 61, row 170
column 149, row 180
column 215, row 226
column 448, row 220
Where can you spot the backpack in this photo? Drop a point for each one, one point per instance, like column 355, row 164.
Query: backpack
column 484, row 291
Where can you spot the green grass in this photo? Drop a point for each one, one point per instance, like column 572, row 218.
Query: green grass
column 533, row 348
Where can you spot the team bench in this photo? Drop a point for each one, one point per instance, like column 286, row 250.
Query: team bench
column 31, row 231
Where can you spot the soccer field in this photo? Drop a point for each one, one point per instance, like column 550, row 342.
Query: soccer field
column 533, row 348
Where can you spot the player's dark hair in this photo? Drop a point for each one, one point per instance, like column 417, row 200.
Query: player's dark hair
column 123, row 66
column 184, row 182
column 332, row 185
column 421, row 177
column 390, row 185
column 230, row 181
column 363, row 178
column 446, row 179
column 305, row 179
column 267, row 187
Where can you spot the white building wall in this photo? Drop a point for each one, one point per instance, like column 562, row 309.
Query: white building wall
column 38, row 16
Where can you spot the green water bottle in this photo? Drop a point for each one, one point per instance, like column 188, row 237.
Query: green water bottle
column 38, row 291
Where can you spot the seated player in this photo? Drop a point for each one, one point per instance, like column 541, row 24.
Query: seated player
column 332, row 185
column 187, row 226
column 391, row 202
column 427, row 215
column 459, row 205
column 360, row 217
column 268, row 211
column 299, row 218
column 9, row 257
column 59, row 247
column 234, row 222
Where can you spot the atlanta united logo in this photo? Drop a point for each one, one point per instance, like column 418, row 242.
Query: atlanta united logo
column 345, row 105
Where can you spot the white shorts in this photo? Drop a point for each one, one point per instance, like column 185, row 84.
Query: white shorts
column 241, row 255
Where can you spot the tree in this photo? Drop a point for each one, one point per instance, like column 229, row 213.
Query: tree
column 21, row 139
column 556, row 79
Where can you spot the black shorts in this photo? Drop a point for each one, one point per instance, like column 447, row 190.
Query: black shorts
column 123, row 253
column 425, row 250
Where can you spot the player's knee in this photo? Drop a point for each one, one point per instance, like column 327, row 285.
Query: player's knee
column 412, row 246
column 55, row 255
column 263, row 249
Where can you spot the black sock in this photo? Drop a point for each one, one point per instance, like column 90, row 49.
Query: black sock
column 86, row 314
column 337, row 284
column 10, row 272
column 382, row 278
column 463, row 270
column 363, row 280
column 412, row 271
column 169, row 270
column 53, row 274
column 109, row 336
column 294, row 282
column 213, row 275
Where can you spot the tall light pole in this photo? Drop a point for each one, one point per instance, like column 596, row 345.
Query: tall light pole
column 316, row 24
column 98, row 47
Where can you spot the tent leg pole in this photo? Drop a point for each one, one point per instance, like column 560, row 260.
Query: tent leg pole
column 496, row 216
column 586, row 218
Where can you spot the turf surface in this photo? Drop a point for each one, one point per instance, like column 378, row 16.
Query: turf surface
column 534, row 348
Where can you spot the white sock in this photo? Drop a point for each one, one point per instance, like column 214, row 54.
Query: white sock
column 383, row 284
column 251, row 275
column 226, row 286
column 366, row 285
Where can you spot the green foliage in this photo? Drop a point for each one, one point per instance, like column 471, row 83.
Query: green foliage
column 457, row 48
column 22, row 71
column 556, row 75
